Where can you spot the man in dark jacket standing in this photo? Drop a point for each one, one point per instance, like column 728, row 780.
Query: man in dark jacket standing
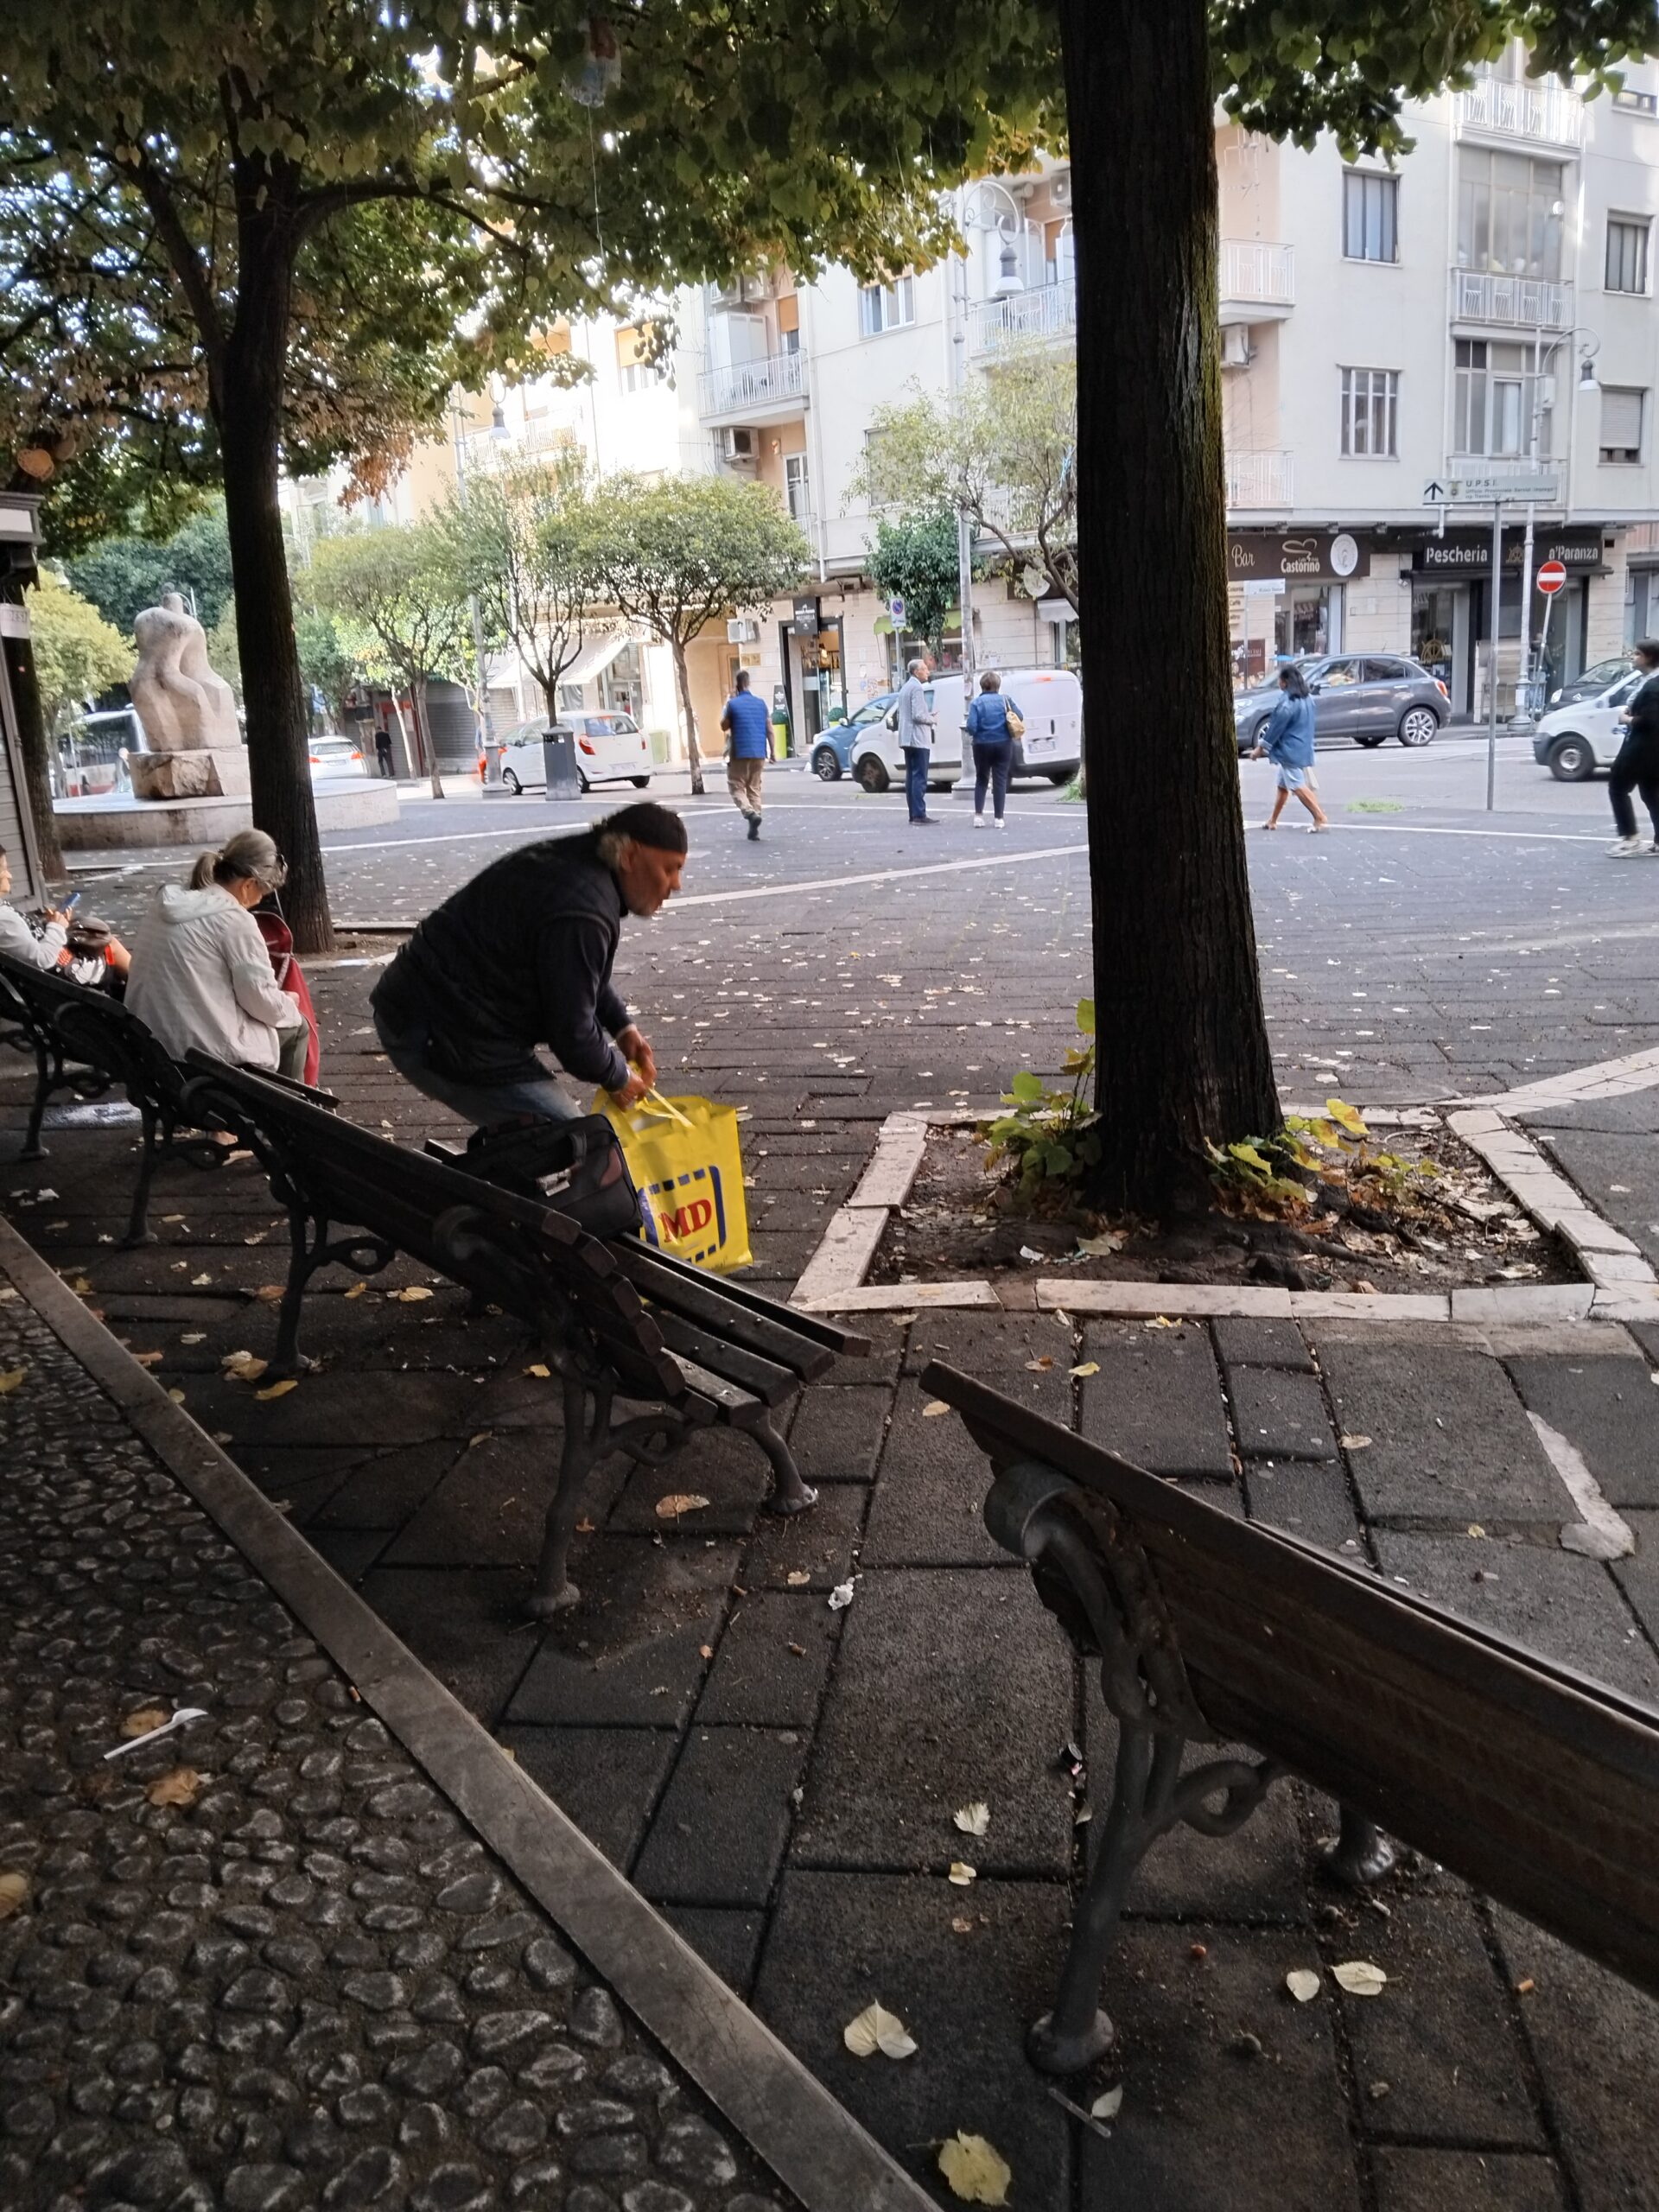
column 1637, row 766
column 521, row 957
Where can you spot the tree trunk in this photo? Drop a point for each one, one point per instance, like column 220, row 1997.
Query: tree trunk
column 36, row 750
column 683, row 683
column 423, row 733
column 1183, row 1046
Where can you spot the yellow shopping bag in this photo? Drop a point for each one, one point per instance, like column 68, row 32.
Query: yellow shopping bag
column 685, row 1159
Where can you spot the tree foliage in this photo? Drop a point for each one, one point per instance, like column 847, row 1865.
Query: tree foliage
column 397, row 609
column 915, row 558
column 77, row 653
column 518, row 542
column 123, row 575
column 1001, row 451
column 672, row 556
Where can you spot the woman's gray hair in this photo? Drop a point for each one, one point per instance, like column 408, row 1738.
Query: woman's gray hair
column 991, row 681
column 250, row 854
column 914, row 667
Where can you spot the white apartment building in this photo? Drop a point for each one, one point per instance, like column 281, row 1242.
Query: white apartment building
column 1382, row 329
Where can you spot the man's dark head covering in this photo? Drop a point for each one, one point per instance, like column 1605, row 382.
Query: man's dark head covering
column 647, row 823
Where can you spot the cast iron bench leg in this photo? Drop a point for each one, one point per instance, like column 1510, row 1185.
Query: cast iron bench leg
column 138, row 1229
column 32, row 1148
column 586, row 1442
column 1361, row 1854
column 790, row 1495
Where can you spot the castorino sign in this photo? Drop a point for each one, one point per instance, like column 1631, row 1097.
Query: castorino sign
column 1310, row 556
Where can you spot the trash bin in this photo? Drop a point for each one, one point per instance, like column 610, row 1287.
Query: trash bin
column 559, row 753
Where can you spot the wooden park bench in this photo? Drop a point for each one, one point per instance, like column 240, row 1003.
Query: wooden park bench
column 86, row 1043
column 614, row 1319
column 1536, row 1783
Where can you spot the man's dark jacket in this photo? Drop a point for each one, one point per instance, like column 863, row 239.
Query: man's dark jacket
column 519, row 957
column 1643, row 733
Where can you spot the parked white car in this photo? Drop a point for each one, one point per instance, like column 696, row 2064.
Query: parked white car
column 1050, row 701
column 1574, row 741
column 611, row 748
column 336, row 756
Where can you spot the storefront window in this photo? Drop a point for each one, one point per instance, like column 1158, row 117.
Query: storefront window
column 1301, row 622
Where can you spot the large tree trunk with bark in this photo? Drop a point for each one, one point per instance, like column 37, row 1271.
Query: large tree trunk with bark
column 693, row 751
column 31, row 732
column 1183, row 1046
column 247, row 387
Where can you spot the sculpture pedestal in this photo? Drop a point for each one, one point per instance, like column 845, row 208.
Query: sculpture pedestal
column 206, row 771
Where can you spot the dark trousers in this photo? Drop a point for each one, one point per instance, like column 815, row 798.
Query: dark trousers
column 383, row 757
column 917, row 758
column 1636, row 769
column 993, row 765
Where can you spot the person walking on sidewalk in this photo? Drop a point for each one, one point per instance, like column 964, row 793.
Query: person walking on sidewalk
column 748, row 747
column 383, row 750
column 913, row 716
column 991, row 729
column 1287, row 742
column 1637, row 766
column 521, row 957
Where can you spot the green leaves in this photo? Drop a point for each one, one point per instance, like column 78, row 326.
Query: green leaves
column 1027, row 1088
column 916, row 558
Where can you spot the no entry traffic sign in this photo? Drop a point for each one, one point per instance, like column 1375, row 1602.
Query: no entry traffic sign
column 1551, row 577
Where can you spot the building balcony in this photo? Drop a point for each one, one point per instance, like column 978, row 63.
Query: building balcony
column 1048, row 311
column 1510, row 302
column 1260, row 480
column 1258, row 280
column 1500, row 107
column 769, row 390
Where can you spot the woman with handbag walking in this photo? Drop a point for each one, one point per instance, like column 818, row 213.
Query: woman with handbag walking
column 1286, row 739
column 994, row 723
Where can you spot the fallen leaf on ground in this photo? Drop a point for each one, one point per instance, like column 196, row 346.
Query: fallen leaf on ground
column 1302, row 1983
column 876, row 2029
column 244, row 1366
column 413, row 1295
column 977, row 2171
column 1359, row 1978
column 176, row 1395
column 1087, row 1367
column 678, row 1501
column 276, row 1389
column 540, row 1369
column 962, row 1873
column 1353, row 1443
column 150, row 1359
column 841, row 1596
column 934, row 1406
column 973, row 1820
column 196, row 1337
column 1039, row 1366
column 796, row 1576
column 79, row 1285
column 178, row 1787
column 1162, row 1321
column 1107, row 2104
column 962, row 1925
column 483, row 1437
column 148, row 1717
column 14, row 1894
column 196, row 1282
column 357, row 1290
column 1111, row 1240
column 11, row 1380
column 270, row 1292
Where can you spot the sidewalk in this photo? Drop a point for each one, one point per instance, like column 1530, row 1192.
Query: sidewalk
column 273, row 1961
column 779, row 1779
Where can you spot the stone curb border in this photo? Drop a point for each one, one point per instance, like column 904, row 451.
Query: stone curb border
column 782, row 2111
column 1621, row 1286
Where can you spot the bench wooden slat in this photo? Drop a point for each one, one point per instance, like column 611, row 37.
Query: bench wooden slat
column 703, row 1300
column 764, row 1377
column 845, row 1341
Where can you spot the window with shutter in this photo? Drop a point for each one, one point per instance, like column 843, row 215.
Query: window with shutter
column 1621, row 424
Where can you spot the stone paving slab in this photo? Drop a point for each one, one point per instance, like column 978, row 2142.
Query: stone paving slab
column 1280, row 1415
column 836, row 1434
column 1449, row 1441
column 1608, row 1409
column 838, row 1942
column 633, row 1652
column 952, row 1687
column 772, row 1662
column 1638, row 1576
column 1312, row 1502
column 609, row 1780
column 1157, row 1399
column 1464, row 2181
column 1242, row 1341
column 719, row 1835
column 988, row 1343
column 929, row 1503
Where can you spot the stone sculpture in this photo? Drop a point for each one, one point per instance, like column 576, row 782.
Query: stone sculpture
column 187, row 710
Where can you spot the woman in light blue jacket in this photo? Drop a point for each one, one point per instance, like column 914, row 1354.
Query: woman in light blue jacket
column 1287, row 742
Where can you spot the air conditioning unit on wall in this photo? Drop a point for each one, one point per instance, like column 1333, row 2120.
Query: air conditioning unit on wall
column 740, row 448
column 1237, row 350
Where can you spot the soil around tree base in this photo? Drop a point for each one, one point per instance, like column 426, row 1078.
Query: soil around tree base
column 1462, row 1232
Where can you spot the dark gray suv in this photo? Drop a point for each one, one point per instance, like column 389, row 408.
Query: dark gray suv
column 1365, row 698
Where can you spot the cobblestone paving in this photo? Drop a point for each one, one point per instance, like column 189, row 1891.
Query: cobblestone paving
column 308, row 1985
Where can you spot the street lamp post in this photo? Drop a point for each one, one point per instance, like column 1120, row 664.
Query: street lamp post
column 1523, row 717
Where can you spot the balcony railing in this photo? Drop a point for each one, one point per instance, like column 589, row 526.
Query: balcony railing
column 1548, row 113
column 1513, row 302
column 1048, row 311
column 1263, row 275
column 751, row 386
column 1260, row 480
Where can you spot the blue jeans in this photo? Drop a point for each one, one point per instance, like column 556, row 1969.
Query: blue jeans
column 917, row 759
column 485, row 1105
column 992, row 764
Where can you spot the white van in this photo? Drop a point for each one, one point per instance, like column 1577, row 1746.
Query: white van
column 1574, row 741
column 1050, row 701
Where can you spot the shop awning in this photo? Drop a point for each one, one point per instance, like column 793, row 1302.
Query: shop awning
column 595, row 658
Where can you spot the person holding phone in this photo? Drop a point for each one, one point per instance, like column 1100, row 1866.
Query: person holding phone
column 48, row 946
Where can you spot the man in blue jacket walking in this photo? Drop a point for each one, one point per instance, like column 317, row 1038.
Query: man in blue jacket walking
column 748, row 747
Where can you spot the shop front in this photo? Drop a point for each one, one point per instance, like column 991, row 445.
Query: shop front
column 1288, row 594
column 1451, row 601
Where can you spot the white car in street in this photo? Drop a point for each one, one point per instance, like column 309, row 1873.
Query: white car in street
column 611, row 748
column 1573, row 741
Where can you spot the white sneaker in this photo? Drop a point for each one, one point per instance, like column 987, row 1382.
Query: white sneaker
column 1652, row 851
column 1001, row 823
column 979, row 822
column 1623, row 848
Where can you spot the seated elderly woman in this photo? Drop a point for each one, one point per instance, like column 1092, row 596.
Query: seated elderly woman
column 201, row 975
column 44, row 944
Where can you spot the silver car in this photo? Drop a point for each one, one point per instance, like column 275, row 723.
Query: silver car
column 1366, row 698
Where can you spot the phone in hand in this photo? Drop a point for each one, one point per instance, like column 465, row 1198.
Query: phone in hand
column 71, row 902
